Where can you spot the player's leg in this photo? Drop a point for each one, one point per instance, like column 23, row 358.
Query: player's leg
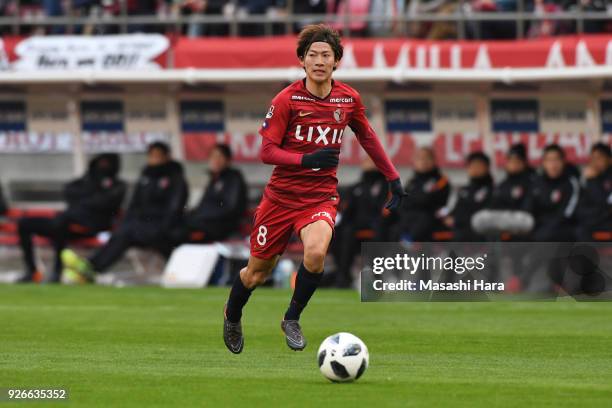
column 27, row 227
column 269, row 237
column 254, row 274
column 84, row 270
column 316, row 238
column 62, row 234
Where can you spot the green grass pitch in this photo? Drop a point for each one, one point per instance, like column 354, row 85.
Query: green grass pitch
column 154, row 347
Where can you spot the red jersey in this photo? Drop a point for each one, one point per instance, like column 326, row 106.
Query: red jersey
column 300, row 122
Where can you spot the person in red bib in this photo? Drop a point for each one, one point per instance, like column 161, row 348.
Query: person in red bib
column 302, row 134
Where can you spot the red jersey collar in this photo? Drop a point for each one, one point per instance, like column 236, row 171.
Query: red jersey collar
column 315, row 96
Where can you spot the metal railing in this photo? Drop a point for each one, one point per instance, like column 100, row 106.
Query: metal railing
column 281, row 24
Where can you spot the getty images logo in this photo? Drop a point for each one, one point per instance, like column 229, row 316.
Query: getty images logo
column 413, row 264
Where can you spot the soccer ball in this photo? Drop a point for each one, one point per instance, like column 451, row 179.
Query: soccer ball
column 343, row 357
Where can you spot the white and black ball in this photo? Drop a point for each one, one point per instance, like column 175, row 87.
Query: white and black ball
column 343, row 357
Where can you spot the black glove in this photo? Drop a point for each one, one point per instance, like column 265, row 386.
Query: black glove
column 321, row 159
column 397, row 192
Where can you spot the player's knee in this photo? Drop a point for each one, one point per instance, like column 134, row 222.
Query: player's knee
column 252, row 278
column 314, row 257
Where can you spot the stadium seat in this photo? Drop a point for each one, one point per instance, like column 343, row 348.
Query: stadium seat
column 365, row 234
column 442, row 235
column 602, row 236
column 9, row 235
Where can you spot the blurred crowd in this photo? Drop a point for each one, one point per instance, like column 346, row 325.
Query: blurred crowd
column 540, row 26
column 385, row 16
column 556, row 202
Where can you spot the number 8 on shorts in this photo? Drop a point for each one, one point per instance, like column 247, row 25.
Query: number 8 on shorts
column 261, row 235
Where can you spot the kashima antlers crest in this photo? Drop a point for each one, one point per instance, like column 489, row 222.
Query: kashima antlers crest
column 339, row 115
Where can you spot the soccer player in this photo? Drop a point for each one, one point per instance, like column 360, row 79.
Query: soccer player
column 302, row 134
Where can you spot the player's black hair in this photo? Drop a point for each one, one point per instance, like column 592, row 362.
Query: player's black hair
column 518, row 150
column 161, row 146
column 225, row 150
column 554, row 148
column 478, row 156
column 319, row 33
column 601, row 148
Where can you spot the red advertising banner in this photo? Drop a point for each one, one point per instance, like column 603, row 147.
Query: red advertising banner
column 279, row 52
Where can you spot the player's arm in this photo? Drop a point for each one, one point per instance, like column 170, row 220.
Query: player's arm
column 273, row 131
column 371, row 144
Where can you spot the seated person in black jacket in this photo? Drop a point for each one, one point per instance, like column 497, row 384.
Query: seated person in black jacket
column 428, row 192
column 595, row 207
column 554, row 198
column 360, row 218
column 94, row 201
column 157, row 204
column 512, row 193
column 507, row 218
column 221, row 209
column 471, row 198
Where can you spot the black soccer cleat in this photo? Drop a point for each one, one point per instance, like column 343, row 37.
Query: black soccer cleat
column 232, row 335
column 293, row 335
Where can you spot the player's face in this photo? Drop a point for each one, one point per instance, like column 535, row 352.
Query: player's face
column 599, row 161
column 157, row 157
column 319, row 62
column 514, row 165
column 477, row 169
column 423, row 161
column 217, row 162
column 553, row 164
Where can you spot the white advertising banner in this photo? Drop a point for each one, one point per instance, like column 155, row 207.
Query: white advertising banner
column 81, row 53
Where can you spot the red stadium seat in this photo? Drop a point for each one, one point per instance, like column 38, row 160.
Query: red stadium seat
column 442, row 236
column 602, row 236
column 9, row 234
column 365, row 234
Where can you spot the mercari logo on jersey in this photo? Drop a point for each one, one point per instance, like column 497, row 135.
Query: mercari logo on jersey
column 319, row 134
